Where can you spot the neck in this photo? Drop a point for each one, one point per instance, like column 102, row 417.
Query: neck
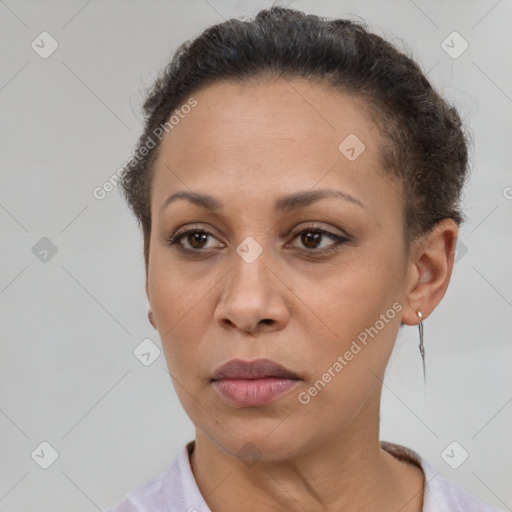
column 346, row 471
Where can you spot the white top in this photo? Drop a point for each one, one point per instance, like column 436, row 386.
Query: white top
column 175, row 490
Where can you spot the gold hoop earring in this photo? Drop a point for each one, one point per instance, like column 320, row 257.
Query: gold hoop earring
column 422, row 347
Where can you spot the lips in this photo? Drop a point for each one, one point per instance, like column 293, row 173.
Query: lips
column 253, row 383
column 257, row 369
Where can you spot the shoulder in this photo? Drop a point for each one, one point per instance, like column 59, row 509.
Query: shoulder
column 440, row 494
column 445, row 495
column 149, row 496
column 173, row 489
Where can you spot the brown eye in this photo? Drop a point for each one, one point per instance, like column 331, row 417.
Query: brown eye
column 311, row 239
column 195, row 238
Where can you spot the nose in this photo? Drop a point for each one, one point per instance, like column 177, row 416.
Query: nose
column 254, row 298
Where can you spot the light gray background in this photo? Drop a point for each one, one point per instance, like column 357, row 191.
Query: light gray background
column 69, row 326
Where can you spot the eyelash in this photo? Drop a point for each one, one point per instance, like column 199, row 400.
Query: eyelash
column 338, row 240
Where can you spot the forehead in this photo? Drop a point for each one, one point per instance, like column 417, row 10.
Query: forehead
column 268, row 112
column 281, row 134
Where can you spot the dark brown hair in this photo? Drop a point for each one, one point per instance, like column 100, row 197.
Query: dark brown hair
column 427, row 150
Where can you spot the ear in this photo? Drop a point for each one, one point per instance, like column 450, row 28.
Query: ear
column 151, row 317
column 429, row 270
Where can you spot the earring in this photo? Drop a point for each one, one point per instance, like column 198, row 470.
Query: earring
column 422, row 347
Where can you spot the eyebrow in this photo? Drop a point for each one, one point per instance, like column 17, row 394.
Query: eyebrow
column 283, row 205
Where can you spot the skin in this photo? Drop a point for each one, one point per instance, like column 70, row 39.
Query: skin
column 247, row 145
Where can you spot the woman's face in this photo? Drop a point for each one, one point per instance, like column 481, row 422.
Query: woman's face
column 264, row 282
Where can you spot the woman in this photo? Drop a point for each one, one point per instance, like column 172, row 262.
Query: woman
column 297, row 185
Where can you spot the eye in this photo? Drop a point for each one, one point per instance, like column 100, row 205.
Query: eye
column 311, row 238
column 195, row 238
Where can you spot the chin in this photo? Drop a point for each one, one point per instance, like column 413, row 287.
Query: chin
column 254, row 443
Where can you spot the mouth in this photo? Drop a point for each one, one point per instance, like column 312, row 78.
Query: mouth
column 253, row 383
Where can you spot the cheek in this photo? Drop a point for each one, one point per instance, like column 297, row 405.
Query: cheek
column 354, row 313
column 173, row 308
column 173, row 295
column 352, row 294
column 349, row 368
